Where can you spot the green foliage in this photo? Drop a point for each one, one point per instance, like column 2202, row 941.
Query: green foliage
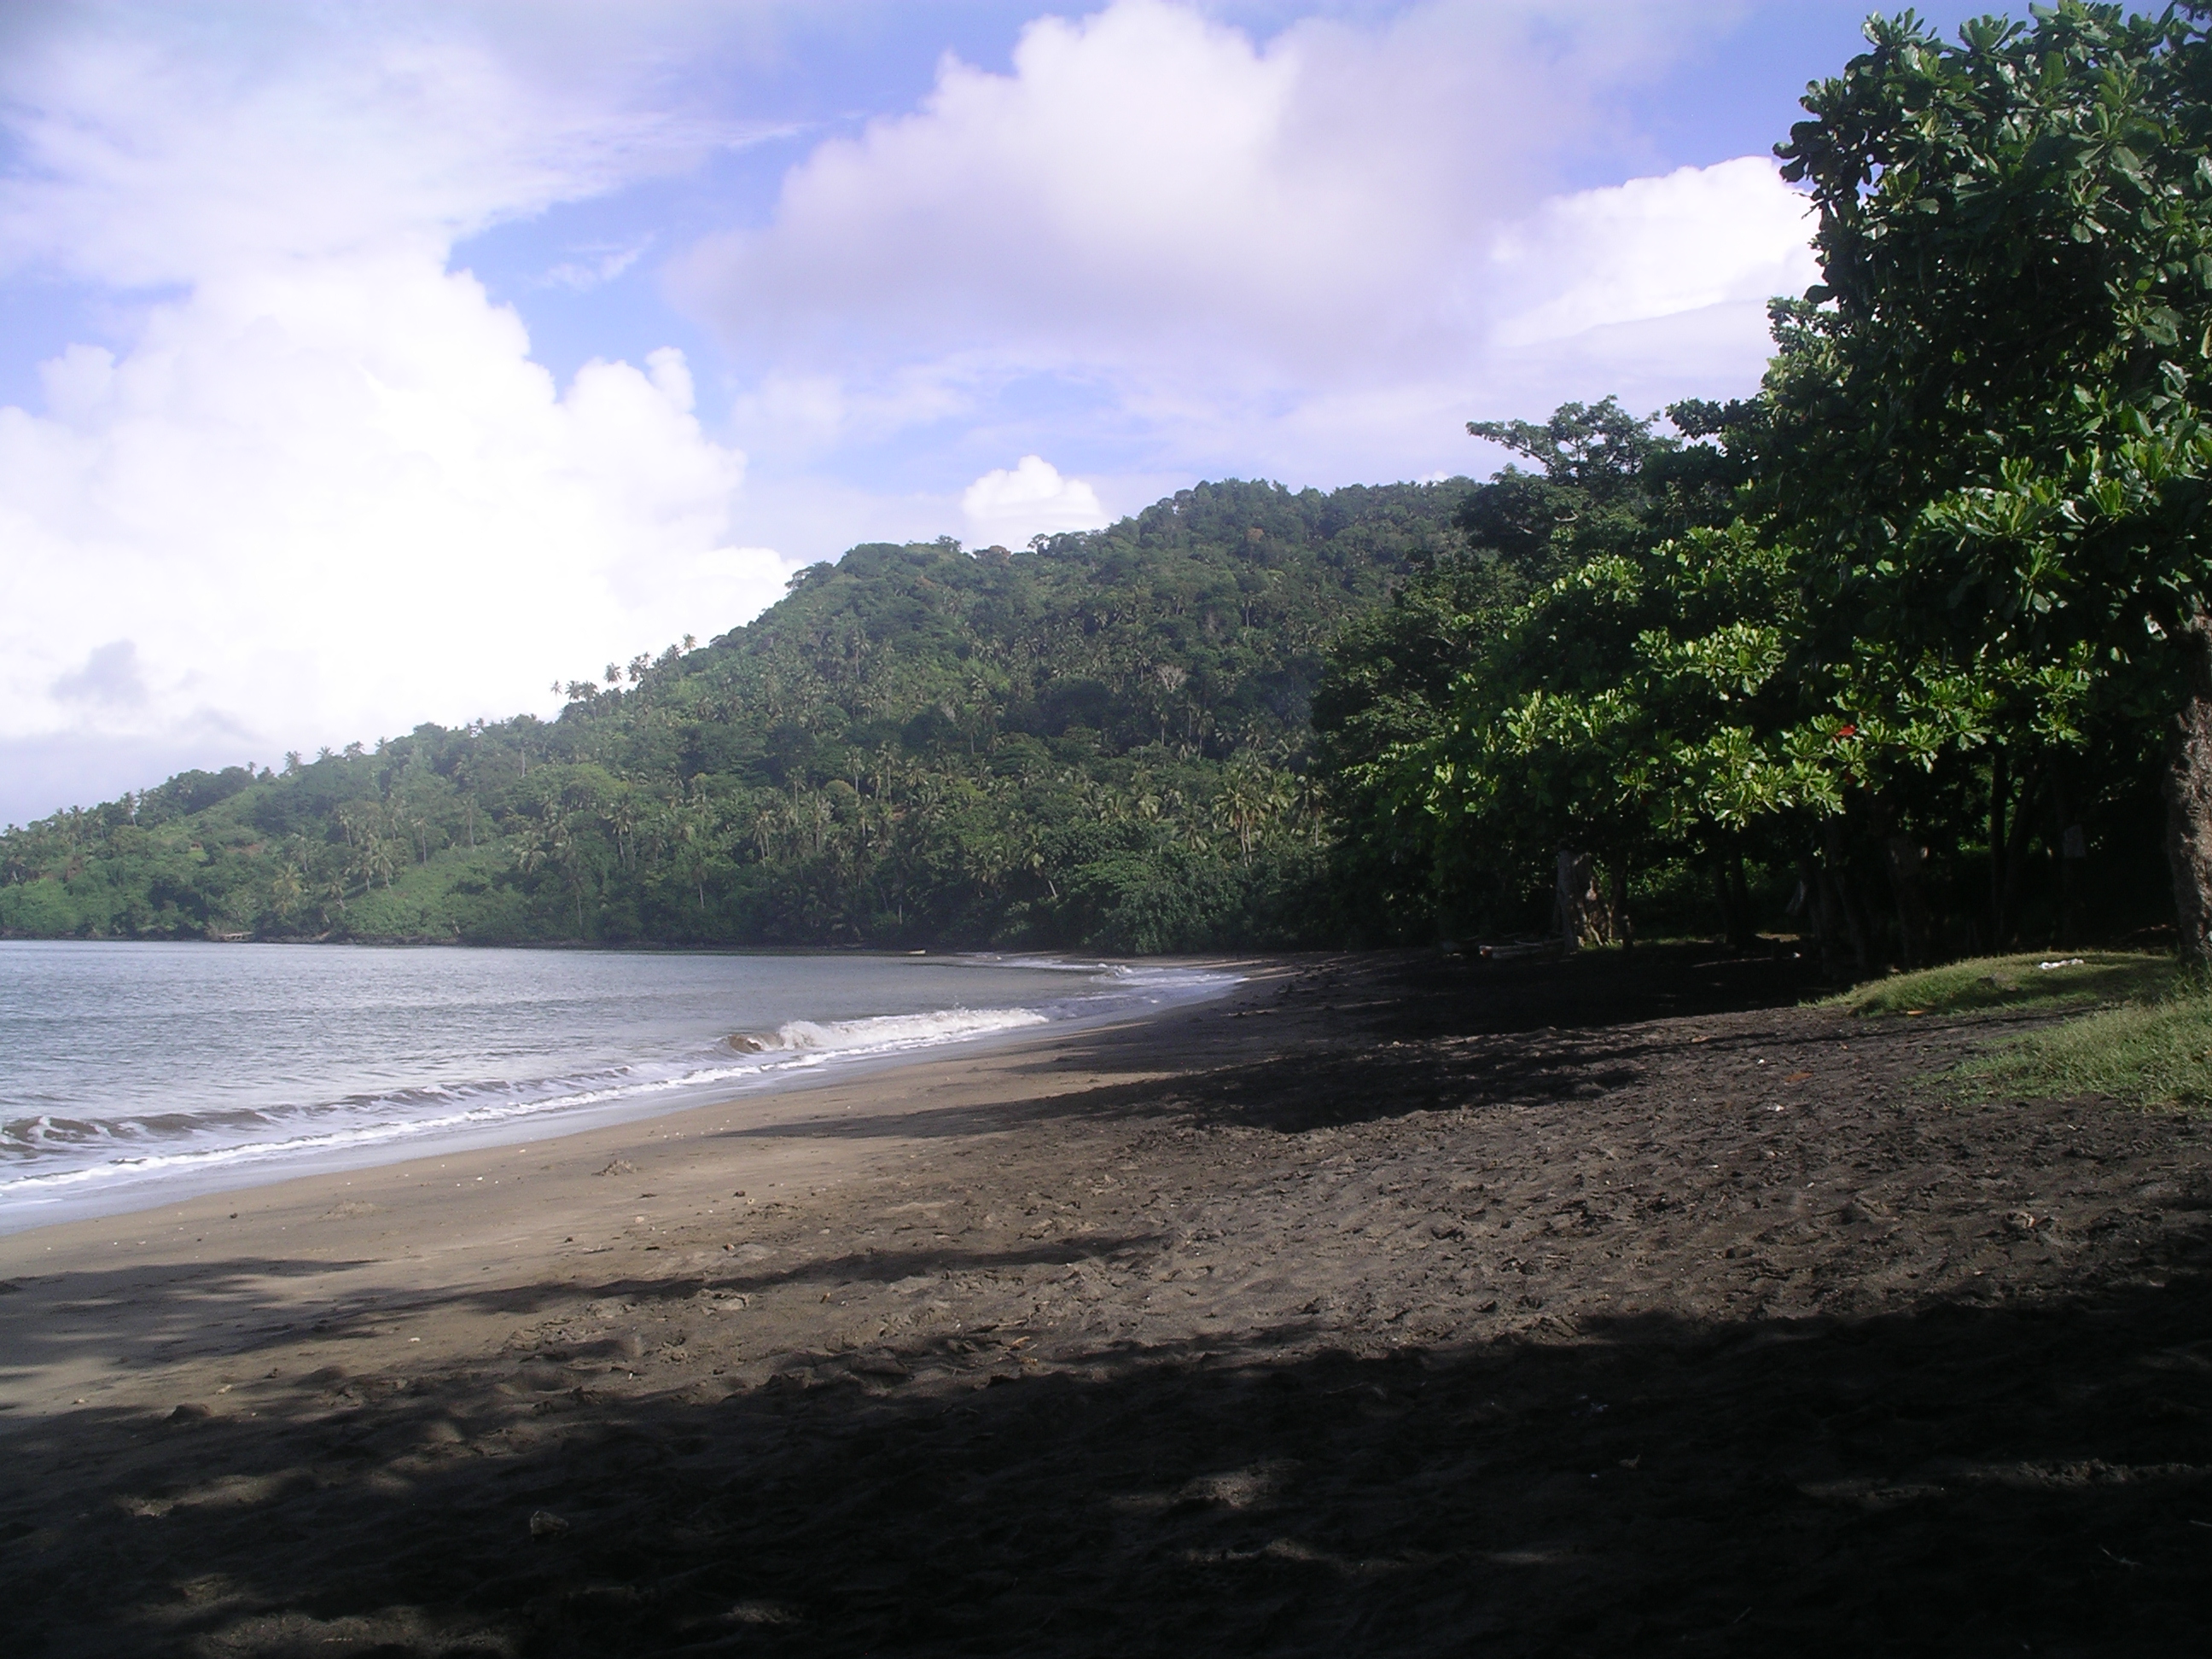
column 1599, row 685
column 1904, row 627
column 1098, row 742
column 1984, row 425
column 1985, row 983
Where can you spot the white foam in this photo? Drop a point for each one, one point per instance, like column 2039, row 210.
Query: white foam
column 798, row 1044
column 894, row 1033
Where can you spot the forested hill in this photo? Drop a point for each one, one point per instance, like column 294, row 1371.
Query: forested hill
column 1097, row 742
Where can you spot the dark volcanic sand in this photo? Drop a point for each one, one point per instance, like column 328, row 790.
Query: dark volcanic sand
column 1586, row 1308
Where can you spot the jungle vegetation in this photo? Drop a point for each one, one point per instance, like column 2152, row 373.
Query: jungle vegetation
column 1098, row 741
column 1914, row 635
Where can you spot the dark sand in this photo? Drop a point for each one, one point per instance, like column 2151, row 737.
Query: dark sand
column 1391, row 1306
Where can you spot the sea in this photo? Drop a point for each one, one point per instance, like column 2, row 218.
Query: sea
column 133, row 1074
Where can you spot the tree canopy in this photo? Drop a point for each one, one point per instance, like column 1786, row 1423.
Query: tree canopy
column 1932, row 588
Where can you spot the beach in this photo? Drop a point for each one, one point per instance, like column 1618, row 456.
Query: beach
column 1389, row 1303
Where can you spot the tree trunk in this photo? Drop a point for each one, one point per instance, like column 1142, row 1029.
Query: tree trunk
column 2015, row 859
column 2000, row 792
column 1574, row 900
column 2065, row 841
column 1817, row 908
column 1905, row 857
column 1902, row 857
column 1743, row 923
column 2189, row 799
column 1846, row 898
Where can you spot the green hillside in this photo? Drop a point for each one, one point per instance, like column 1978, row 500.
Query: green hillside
column 1098, row 742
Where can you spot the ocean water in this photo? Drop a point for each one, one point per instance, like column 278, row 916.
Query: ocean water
column 135, row 1073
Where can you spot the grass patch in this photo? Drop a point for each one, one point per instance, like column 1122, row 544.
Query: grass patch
column 2088, row 978
column 2154, row 1052
column 2143, row 1038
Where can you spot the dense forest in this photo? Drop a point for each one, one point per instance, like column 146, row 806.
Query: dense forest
column 1097, row 741
column 1909, row 653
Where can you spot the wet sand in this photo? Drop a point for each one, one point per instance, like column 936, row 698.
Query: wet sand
column 1388, row 1306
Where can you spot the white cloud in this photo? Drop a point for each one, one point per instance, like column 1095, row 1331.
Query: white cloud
column 338, row 498
column 1008, row 506
column 1729, row 235
column 597, row 267
column 325, row 493
column 158, row 143
column 1231, row 240
column 1143, row 178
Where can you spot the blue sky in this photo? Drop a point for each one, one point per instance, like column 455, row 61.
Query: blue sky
column 368, row 364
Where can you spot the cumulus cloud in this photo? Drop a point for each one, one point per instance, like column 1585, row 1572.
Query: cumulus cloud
column 1008, row 506
column 324, row 492
column 1236, row 240
column 1730, row 235
column 1144, row 177
column 347, row 493
column 1656, row 288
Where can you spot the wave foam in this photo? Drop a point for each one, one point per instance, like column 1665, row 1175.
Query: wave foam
column 887, row 1033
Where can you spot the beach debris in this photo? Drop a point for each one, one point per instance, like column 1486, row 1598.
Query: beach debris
column 620, row 1167
column 2070, row 962
column 762, row 1612
column 543, row 1523
column 189, row 1413
column 880, row 1364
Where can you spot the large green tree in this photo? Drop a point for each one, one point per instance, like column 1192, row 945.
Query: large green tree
column 1987, row 434
column 1531, row 696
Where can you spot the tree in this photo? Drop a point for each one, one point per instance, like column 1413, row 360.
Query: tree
column 1988, row 424
column 1505, row 712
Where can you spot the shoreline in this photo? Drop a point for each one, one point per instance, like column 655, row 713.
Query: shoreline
column 247, row 1168
column 1386, row 1306
column 394, row 1229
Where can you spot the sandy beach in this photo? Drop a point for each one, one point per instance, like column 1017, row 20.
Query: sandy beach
column 1389, row 1305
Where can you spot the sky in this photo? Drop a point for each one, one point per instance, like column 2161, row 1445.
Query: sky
column 369, row 363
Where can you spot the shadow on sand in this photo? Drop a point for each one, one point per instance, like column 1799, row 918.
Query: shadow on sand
column 1960, row 1480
